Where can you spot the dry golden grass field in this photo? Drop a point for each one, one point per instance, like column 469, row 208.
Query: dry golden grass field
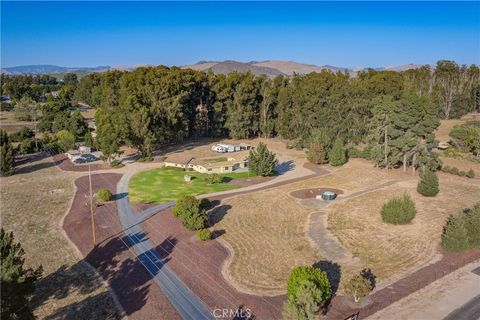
column 266, row 230
column 10, row 125
column 33, row 202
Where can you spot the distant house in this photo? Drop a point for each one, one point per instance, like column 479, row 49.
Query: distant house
column 209, row 165
column 223, row 148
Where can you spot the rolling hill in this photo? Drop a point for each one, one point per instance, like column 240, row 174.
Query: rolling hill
column 270, row 68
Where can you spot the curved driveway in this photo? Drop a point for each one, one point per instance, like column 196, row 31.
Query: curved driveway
column 180, row 296
column 188, row 305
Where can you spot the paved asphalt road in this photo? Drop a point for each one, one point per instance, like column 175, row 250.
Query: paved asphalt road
column 469, row 311
column 188, row 305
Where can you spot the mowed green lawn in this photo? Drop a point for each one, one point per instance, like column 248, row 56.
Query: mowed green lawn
column 167, row 184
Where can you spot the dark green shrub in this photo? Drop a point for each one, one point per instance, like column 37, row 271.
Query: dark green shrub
column 470, row 174
column 7, row 161
column 338, row 155
column 26, row 146
column 305, row 273
column 398, row 210
column 189, row 211
column 353, row 152
column 428, row 185
column 88, row 140
column 104, row 194
column 261, row 161
column 145, row 159
column 116, row 164
column 455, row 170
column 22, row 134
column 212, row 178
column 454, row 236
column 204, row 235
column 472, row 225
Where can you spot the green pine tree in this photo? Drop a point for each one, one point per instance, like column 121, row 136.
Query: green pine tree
column 472, row 225
column 428, row 184
column 17, row 283
column 261, row 161
column 455, row 236
column 6, row 156
column 318, row 146
column 338, row 154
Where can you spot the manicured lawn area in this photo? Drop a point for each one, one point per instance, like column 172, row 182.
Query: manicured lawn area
column 167, row 184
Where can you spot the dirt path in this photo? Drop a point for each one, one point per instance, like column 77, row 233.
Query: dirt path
column 323, row 240
column 326, row 243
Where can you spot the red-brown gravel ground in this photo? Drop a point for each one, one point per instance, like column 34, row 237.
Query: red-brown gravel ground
column 198, row 264
column 341, row 307
column 139, row 296
column 65, row 164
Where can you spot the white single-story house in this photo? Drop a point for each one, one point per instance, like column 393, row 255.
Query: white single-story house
column 209, row 165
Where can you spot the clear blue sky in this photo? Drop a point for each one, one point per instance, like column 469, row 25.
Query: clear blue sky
column 341, row 33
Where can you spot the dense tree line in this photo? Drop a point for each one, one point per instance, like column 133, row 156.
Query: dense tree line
column 35, row 87
column 395, row 113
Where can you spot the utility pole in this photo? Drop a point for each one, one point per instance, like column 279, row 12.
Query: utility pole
column 35, row 120
column 91, row 205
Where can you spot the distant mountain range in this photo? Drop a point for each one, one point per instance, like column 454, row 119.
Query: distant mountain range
column 270, row 68
column 51, row 69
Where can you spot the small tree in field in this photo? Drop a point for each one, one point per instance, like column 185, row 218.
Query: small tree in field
column 308, row 289
column 17, row 283
column 104, row 194
column 399, row 210
column 428, row 185
column 261, row 161
column 338, row 155
column 190, row 212
column 7, row 163
column 455, row 236
column 318, row 146
column 358, row 287
column 306, row 304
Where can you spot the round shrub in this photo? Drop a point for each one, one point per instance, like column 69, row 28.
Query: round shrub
column 104, row 194
column 301, row 274
column 398, row 210
column 204, row 235
column 188, row 210
column 428, row 185
column 212, row 178
column 470, row 174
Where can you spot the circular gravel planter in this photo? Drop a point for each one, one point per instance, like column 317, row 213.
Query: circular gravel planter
column 312, row 193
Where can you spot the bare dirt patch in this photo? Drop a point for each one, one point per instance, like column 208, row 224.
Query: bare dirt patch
column 33, row 202
column 445, row 127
